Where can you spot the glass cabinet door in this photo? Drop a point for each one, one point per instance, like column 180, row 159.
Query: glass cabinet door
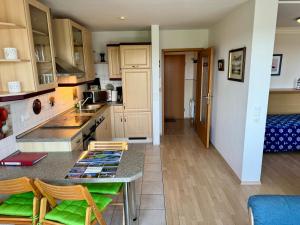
column 42, row 45
column 78, row 48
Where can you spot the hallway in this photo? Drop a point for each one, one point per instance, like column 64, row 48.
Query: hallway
column 200, row 188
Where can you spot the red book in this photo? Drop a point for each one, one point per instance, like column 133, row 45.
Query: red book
column 23, row 158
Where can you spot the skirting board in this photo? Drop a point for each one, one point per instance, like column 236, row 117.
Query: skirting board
column 148, row 140
column 250, row 183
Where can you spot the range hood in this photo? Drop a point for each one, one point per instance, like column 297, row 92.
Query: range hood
column 66, row 69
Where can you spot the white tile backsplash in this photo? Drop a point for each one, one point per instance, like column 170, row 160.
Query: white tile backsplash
column 23, row 117
column 102, row 73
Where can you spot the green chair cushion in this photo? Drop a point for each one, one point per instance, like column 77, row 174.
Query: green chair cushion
column 73, row 212
column 18, row 205
column 105, row 188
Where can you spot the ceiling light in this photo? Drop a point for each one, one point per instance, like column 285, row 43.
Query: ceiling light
column 298, row 20
column 122, row 17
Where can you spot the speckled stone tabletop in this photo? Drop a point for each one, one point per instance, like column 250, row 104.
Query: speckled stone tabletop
column 56, row 165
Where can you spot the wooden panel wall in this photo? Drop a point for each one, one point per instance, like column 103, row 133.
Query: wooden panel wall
column 284, row 102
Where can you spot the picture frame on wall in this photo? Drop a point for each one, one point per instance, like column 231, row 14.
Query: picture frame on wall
column 276, row 65
column 236, row 64
column 221, row 63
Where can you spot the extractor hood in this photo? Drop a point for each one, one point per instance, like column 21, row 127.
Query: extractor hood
column 66, row 69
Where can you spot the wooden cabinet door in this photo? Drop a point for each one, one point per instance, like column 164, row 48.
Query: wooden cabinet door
column 114, row 69
column 88, row 55
column 41, row 38
column 108, row 130
column 137, row 125
column 99, row 135
column 136, row 89
column 135, row 56
column 119, row 125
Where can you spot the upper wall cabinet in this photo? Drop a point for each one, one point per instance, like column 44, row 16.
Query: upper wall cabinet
column 135, row 56
column 25, row 25
column 114, row 68
column 88, row 55
column 73, row 45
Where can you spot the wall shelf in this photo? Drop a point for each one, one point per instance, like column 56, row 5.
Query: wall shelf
column 39, row 33
column 6, row 96
column 13, row 60
column 4, row 25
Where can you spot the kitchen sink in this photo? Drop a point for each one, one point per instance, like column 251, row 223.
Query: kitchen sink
column 92, row 107
column 89, row 109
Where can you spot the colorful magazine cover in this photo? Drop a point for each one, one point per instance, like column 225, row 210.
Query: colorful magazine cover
column 96, row 164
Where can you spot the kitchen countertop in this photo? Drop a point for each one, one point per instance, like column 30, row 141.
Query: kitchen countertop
column 59, row 163
column 57, row 134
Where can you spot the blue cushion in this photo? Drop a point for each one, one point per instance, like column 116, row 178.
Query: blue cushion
column 275, row 209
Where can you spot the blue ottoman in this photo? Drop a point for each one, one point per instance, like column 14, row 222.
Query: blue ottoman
column 275, row 209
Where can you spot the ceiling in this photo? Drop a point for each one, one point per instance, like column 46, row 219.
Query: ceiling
column 287, row 13
column 140, row 14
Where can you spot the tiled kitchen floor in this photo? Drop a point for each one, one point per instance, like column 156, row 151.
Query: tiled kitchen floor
column 150, row 192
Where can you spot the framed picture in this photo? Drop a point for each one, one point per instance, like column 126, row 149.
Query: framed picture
column 276, row 65
column 236, row 64
column 221, row 63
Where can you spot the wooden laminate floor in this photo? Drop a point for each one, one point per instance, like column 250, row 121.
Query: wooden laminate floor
column 200, row 188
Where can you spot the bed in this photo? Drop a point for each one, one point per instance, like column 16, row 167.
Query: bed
column 282, row 133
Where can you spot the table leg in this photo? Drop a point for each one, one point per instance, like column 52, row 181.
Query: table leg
column 126, row 204
column 132, row 196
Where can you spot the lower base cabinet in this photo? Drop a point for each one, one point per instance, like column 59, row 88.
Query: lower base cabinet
column 133, row 125
column 137, row 125
column 103, row 131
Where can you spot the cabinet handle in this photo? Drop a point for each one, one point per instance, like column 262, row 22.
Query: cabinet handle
column 121, row 120
column 124, row 107
column 125, row 119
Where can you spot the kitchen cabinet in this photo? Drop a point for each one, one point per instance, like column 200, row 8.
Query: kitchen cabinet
column 88, row 55
column 26, row 26
column 104, row 130
column 131, row 125
column 73, row 45
column 137, row 125
column 76, row 144
column 118, row 125
column 136, row 89
column 135, row 56
column 113, row 54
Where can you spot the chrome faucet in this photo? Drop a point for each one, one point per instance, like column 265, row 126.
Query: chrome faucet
column 82, row 102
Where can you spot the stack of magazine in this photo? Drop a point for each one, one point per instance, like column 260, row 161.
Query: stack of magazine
column 96, row 164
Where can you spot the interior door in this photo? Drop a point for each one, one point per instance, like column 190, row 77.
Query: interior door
column 204, row 95
column 174, row 66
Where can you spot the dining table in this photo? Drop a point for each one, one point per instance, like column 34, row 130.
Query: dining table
column 54, row 168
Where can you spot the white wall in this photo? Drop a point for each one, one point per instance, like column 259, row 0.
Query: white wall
column 236, row 105
column 102, row 38
column 24, row 119
column 229, row 97
column 155, row 83
column 197, row 38
column 287, row 42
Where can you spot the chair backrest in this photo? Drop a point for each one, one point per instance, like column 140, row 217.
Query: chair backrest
column 72, row 192
column 108, row 145
column 17, row 186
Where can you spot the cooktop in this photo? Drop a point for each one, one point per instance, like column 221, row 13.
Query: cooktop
column 67, row 121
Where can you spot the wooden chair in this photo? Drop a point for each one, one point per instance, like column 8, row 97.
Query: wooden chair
column 71, row 193
column 108, row 145
column 15, row 187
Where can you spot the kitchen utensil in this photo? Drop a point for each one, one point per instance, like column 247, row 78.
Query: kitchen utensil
column 114, row 96
column 14, row 86
column 10, row 53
